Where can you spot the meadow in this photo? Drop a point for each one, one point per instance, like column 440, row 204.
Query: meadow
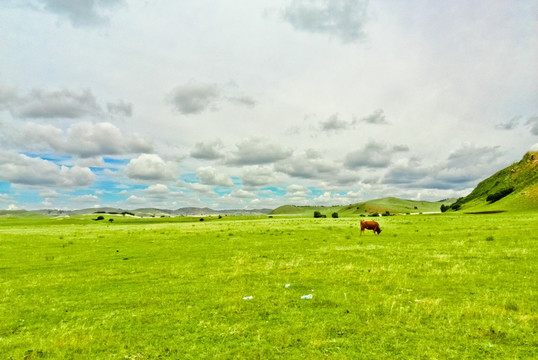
column 447, row 286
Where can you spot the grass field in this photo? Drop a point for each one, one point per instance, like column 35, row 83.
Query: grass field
column 429, row 287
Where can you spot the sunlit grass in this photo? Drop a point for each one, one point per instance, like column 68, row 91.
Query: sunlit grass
column 445, row 286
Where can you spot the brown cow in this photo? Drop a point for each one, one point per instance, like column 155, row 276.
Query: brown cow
column 370, row 225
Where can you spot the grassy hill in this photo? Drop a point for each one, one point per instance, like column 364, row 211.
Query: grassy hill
column 390, row 204
column 518, row 181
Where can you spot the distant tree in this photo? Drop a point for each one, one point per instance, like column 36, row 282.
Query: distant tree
column 201, row 219
column 444, row 207
column 335, row 215
column 455, row 207
column 375, row 214
column 386, row 213
column 100, row 217
column 111, row 220
column 317, row 214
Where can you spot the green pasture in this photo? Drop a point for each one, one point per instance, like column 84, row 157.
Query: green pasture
column 447, row 286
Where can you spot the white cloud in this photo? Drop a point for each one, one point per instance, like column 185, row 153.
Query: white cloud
column 197, row 97
column 133, row 199
column 210, row 176
column 344, row 19
column 83, row 139
column 210, row 150
column 378, row 118
column 120, row 108
column 256, row 176
column 150, row 167
column 194, row 97
column 24, row 170
column 158, row 190
column 257, row 151
column 82, row 13
column 51, row 104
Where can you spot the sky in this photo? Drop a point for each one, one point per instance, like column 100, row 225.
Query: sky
column 251, row 104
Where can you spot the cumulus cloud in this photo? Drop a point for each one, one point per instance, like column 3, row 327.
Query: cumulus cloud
column 85, row 199
column 533, row 122
column 471, row 156
column 82, row 13
column 83, row 139
column 372, row 155
column 307, row 168
column 210, row 176
column 462, row 169
column 377, row 118
column 243, row 101
column 516, row 121
column 25, row 170
column 297, row 193
column 133, row 199
column 210, row 150
column 50, row 104
column 255, row 176
column 257, row 151
column 511, row 124
column 157, row 190
column 150, row 167
column 120, row 108
column 196, row 97
column 344, row 19
column 334, row 123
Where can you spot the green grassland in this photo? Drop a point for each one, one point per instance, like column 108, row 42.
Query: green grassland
column 430, row 286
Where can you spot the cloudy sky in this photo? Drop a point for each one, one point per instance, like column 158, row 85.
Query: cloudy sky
column 255, row 104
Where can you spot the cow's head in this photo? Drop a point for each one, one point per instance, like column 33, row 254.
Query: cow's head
column 378, row 231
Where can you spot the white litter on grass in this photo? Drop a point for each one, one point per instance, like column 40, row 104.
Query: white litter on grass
column 248, row 298
column 305, row 297
column 287, row 286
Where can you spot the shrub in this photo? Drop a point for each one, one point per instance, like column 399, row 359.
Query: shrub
column 387, row 213
column 455, row 207
column 335, row 215
column 444, row 208
column 317, row 214
column 499, row 195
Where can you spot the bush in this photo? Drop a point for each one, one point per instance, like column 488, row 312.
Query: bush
column 387, row 213
column 444, row 208
column 455, row 207
column 317, row 214
column 499, row 195
column 335, row 215
column 100, row 217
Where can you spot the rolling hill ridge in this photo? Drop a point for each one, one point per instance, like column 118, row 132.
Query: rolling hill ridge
column 512, row 188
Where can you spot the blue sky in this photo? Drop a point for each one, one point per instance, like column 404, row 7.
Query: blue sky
column 256, row 104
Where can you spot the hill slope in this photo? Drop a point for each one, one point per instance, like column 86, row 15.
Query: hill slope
column 390, row 204
column 518, row 183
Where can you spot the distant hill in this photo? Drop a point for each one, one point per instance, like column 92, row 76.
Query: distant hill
column 513, row 188
column 142, row 212
column 390, row 204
